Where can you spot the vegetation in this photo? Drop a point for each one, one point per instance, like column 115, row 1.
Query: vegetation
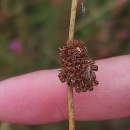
column 31, row 31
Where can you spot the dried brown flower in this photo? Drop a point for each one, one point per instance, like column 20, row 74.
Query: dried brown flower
column 77, row 69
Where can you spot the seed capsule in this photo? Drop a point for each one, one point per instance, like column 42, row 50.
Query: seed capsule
column 77, row 68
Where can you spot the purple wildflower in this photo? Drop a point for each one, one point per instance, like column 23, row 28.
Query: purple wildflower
column 124, row 34
column 16, row 46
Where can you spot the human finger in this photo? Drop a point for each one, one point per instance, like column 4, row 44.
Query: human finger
column 40, row 97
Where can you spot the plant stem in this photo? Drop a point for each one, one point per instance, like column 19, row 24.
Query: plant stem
column 72, row 19
column 70, row 89
column 71, row 108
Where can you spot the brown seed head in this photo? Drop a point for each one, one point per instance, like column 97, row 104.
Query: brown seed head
column 77, row 69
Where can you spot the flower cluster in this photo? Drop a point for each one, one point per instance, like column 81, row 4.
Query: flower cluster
column 77, row 69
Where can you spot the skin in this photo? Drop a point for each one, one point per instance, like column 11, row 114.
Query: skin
column 40, row 97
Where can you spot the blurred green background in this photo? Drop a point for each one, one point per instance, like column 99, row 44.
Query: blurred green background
column 31, row 31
